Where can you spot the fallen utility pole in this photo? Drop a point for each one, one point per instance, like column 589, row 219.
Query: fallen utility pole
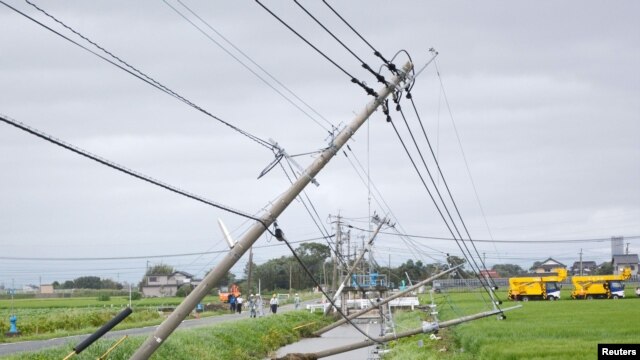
column 165, row 329
column 382, row 302
column 427, row 327
column 355, row 264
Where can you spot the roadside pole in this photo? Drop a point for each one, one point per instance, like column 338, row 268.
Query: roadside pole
column 426, row 328
column 165, row 329
column 384, row 301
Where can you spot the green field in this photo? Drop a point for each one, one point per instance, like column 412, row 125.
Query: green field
column 240, row 340
column 565, row 329
column 48, row 318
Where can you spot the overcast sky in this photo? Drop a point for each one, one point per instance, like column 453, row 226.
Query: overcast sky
column 544, row 96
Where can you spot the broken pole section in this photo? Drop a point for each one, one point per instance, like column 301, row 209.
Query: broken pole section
column 384, row 301
column 426, row 328
column 165, row 329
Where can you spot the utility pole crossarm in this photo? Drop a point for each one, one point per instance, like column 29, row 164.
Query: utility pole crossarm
column 165, row 329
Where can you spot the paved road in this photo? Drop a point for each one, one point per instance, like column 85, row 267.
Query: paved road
column 11, row 348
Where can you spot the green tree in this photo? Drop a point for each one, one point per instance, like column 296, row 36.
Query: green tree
column 56, row 285
column 507, row 270
column 87, row 282
column 606, row 268
column 160, row 269
column 68, row 284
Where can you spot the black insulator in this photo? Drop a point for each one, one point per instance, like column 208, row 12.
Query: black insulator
column 279, row 234
column 409, row 95
column 388, row 118
column 398, row 107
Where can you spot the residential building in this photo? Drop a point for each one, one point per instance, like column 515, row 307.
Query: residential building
column 620, row 262
column 167, row 285
column 548, row 266
column 588, row 268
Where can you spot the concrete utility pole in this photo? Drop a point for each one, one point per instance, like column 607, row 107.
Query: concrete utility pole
column 426, row 328
column 355, row 264
column 384, row 301
column 250, row 290
column 165, row 329
column 336, row 255
column 580, row 262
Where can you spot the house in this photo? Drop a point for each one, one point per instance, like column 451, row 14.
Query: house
column 489, row 274
column 548, row 266
column 46, row 289
column 588, row 268
column 30, row 289
column 620, row 262
column 167, row 285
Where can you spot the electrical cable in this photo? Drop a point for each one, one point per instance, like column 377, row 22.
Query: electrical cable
column 145, row 256
column 444, row 205
column 386, row 111
column 364, row 65
column 389, row 64
column 125, row 170
column 132, row 70
column 368, row 90
column 269, row 84
column 304, row 267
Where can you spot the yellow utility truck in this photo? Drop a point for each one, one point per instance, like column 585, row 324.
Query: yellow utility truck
column 600, row 286
column 537, row 287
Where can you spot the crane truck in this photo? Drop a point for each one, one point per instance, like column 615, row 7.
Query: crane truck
column 542, row 287
column 600, row 286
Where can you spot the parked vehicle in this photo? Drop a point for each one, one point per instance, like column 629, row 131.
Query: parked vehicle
column 600, row 286
column 542, row 287
column 233, row 290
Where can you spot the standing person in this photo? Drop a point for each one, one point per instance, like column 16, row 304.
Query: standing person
column 260, row 305
column 252, row 306
column 239, row 302
column 274, row 303
column 232, row 303
column 296, row 301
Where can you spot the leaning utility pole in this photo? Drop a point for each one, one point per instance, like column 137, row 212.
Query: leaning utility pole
column 425, row 329
column 382, row 302
column 165, row 329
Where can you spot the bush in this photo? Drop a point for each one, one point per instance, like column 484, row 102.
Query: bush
column 104, row 297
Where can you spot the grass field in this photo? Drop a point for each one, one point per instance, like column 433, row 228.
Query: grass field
column 117, row 301
column 565, row 329
column 240, row 340
column 47, row 318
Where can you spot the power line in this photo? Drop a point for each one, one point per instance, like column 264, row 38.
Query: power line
column 552, row 241
column 207, row 24
column 123, row 169
column 378, row 77
column 145, row 256
column 369, row 90
column 389, row 64
column 131, row 70
column 469, row 261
